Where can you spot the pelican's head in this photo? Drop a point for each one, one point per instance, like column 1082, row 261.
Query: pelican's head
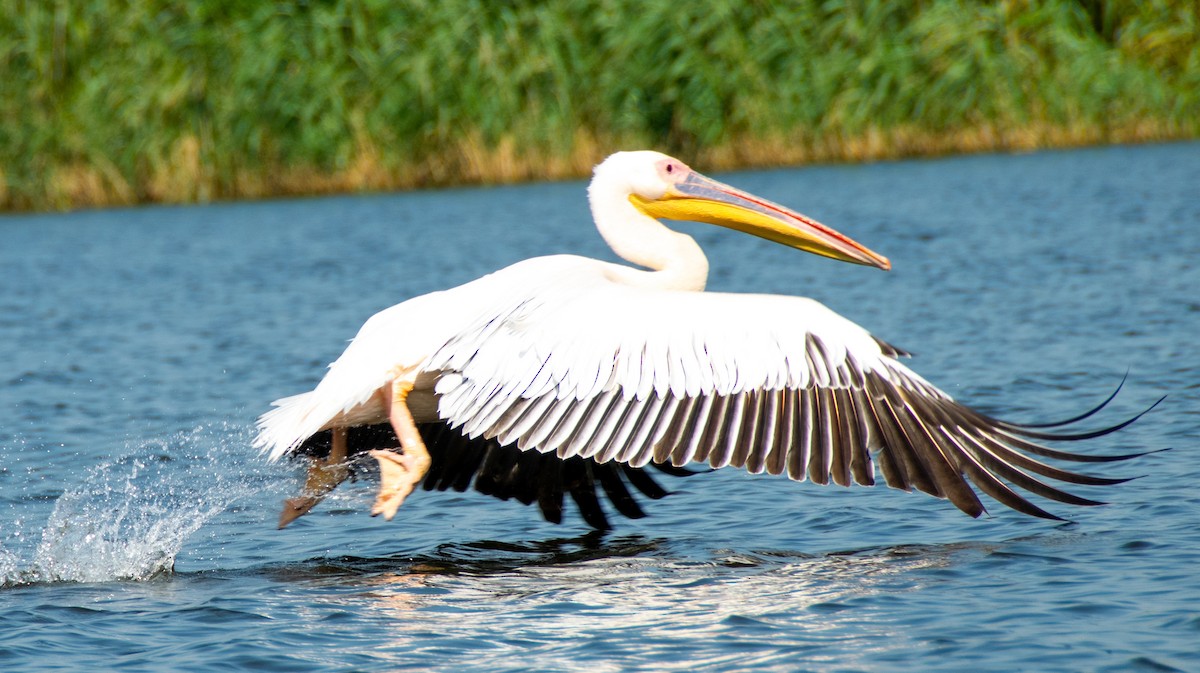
column 662, row 186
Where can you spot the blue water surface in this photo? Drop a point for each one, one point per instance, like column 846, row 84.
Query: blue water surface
column 137, row 526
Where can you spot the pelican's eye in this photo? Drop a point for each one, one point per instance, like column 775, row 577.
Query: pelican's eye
column 669, row 171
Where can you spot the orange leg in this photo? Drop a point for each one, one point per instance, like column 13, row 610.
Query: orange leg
column 399, row 473
column 323, row 477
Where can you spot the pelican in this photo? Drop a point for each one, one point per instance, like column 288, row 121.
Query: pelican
column 561, row 374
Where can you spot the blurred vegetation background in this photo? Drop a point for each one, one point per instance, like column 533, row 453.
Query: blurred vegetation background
column 115, row 102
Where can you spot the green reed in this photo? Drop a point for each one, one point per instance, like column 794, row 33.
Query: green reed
column 110, row 101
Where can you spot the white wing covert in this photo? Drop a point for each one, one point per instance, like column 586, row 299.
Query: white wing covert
column 768, row 383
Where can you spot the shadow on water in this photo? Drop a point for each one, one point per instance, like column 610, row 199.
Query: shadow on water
column 602, row 552
column 481, row 558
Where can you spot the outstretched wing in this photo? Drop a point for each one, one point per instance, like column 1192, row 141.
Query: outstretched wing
column 767, row 383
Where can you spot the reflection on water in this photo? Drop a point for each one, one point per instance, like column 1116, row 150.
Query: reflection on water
column 493, row 601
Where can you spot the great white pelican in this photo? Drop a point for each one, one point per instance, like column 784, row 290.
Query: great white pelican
column 560, row 374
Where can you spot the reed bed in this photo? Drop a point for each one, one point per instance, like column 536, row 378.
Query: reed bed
column 107, row 102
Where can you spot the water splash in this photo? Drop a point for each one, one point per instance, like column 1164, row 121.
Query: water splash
column 128, row 519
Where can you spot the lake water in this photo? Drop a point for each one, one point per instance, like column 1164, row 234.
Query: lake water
column 137, row 527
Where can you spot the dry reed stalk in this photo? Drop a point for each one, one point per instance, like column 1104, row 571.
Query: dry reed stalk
column 185, row 177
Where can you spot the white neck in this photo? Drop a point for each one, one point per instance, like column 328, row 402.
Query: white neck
column 677, row 262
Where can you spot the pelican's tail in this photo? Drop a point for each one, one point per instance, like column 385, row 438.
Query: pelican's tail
column 285, row 427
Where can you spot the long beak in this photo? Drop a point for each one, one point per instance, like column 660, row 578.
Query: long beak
column 700, row 199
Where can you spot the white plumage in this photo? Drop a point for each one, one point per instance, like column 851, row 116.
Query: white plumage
column 575, row 357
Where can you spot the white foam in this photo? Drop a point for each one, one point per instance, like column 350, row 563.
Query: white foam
column 128, row 519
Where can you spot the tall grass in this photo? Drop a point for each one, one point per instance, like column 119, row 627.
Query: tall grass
column 111, row 101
